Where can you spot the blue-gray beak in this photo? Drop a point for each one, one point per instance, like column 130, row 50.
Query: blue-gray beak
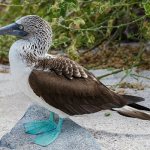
column 13, row 29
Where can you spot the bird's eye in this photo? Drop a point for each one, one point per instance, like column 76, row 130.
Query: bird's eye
column 21, row 27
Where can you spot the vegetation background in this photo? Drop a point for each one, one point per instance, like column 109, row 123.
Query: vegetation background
column 98, row 33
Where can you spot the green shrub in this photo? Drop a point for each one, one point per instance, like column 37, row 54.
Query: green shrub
column 81, row 24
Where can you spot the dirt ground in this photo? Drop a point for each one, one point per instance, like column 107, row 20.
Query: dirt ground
column 123, row 56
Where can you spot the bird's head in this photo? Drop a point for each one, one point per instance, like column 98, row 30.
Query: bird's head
column 27, row 25
column 30, row 28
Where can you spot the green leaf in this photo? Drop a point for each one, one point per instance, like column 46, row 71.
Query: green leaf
column 107, row 114
column 63, row 9
column 147, row 8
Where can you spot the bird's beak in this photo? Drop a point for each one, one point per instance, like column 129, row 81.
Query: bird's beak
column 13, row 29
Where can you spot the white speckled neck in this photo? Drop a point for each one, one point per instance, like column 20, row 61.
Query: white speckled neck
column 25, row 52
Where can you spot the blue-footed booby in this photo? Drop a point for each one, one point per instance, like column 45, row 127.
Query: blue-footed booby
column 58, row 83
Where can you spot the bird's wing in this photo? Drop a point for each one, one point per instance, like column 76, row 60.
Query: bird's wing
column 67, row 86
column 62, row 66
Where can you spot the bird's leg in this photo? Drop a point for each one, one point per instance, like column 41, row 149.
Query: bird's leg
column 48, row 137
column 37, row 127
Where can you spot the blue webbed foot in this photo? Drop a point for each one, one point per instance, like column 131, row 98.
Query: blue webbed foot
column 48, row 137
column 37, row 127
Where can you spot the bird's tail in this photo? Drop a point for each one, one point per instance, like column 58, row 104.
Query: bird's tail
column 134, row 110
column 133, row 99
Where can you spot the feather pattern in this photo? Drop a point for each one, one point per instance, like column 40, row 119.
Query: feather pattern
column 62, row 66
column 67, row 86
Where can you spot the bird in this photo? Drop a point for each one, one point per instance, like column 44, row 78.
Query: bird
column 59, row 84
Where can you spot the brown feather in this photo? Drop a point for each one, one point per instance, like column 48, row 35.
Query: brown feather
column 134, row 113
column 73, row 93
column 67, row 86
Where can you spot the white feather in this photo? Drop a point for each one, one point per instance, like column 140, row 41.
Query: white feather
column 20, row 73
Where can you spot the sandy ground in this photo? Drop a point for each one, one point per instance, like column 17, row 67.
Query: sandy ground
column 72, row 137
column 113, row 132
